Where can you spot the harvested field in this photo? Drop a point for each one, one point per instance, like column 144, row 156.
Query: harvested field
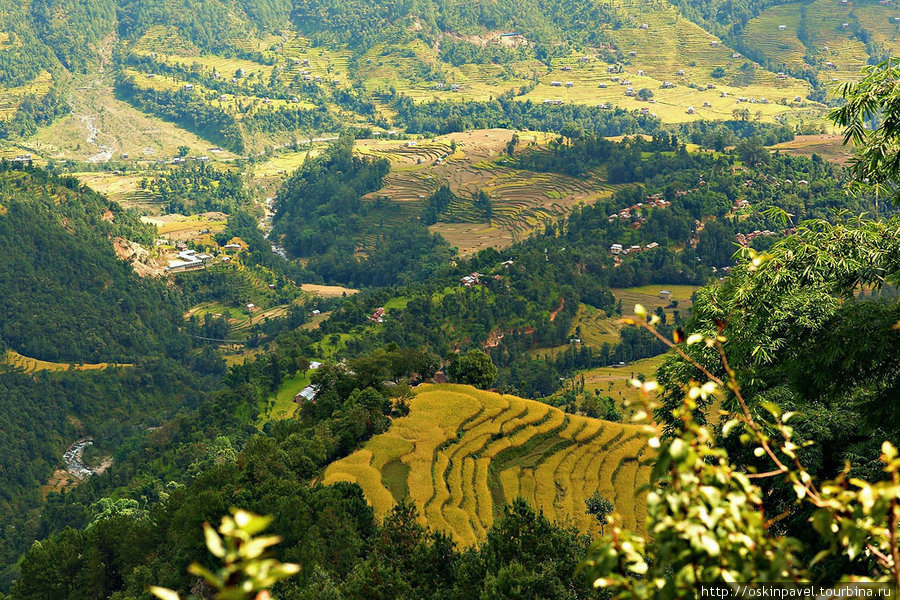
column 327, row 291
column 468, row 452
column 829, row 147
column 30, row 365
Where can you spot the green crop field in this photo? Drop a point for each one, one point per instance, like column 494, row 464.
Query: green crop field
column 462, row 453
column 780, row 46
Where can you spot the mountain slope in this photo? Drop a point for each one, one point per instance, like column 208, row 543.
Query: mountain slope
column 462, row 453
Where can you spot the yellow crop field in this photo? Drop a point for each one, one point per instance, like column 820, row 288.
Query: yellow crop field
column 30, row 365
column 468, row 452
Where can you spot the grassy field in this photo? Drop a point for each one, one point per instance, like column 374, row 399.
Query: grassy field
column 31, row 365
column 327, row 291
column 101, row 127
column 461, row 454
column 281, row 405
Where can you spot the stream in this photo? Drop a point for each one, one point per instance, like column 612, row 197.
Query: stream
column 266, row 225
column 74, row 459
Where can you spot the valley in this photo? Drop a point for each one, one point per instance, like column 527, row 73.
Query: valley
column 498, row 299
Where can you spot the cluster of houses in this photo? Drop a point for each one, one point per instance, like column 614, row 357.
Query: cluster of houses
column 620, row 250
column 474, row 278
column 24, row 159
column 634, row 212
column 753, row 100
column 180, row 160
column 454, row 87
column 774, row 181
column 744, row 239
column 188, row 260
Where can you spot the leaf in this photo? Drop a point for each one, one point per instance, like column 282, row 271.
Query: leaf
column 213, row 541
column 163, row 593
column 728, row 426
column 209, row 576
column 257, row 546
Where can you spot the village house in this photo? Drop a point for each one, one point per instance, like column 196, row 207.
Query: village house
column 665, row 295
column 471, row 279
column 307, row 394
column 378, row 315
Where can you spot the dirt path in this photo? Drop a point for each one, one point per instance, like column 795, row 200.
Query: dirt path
column 562, row 302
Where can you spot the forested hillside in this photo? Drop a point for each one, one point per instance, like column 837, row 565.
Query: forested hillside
column 67, row 296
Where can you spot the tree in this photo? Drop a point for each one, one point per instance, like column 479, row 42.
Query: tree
column 600, row 507
column 473, row 368
column 645, row 94
column 183, row 150
column 752, row 152
column 859, row 521
column 871, row 121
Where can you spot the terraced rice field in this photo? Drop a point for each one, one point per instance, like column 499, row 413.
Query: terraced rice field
column 879, row 22
column 780, row 46
column 30, row 365
column 669, row 45
column 614, row 381
column 846, row 52
column 522, row 200
column 462, row 454
column 648, row 295
column 11, row 98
